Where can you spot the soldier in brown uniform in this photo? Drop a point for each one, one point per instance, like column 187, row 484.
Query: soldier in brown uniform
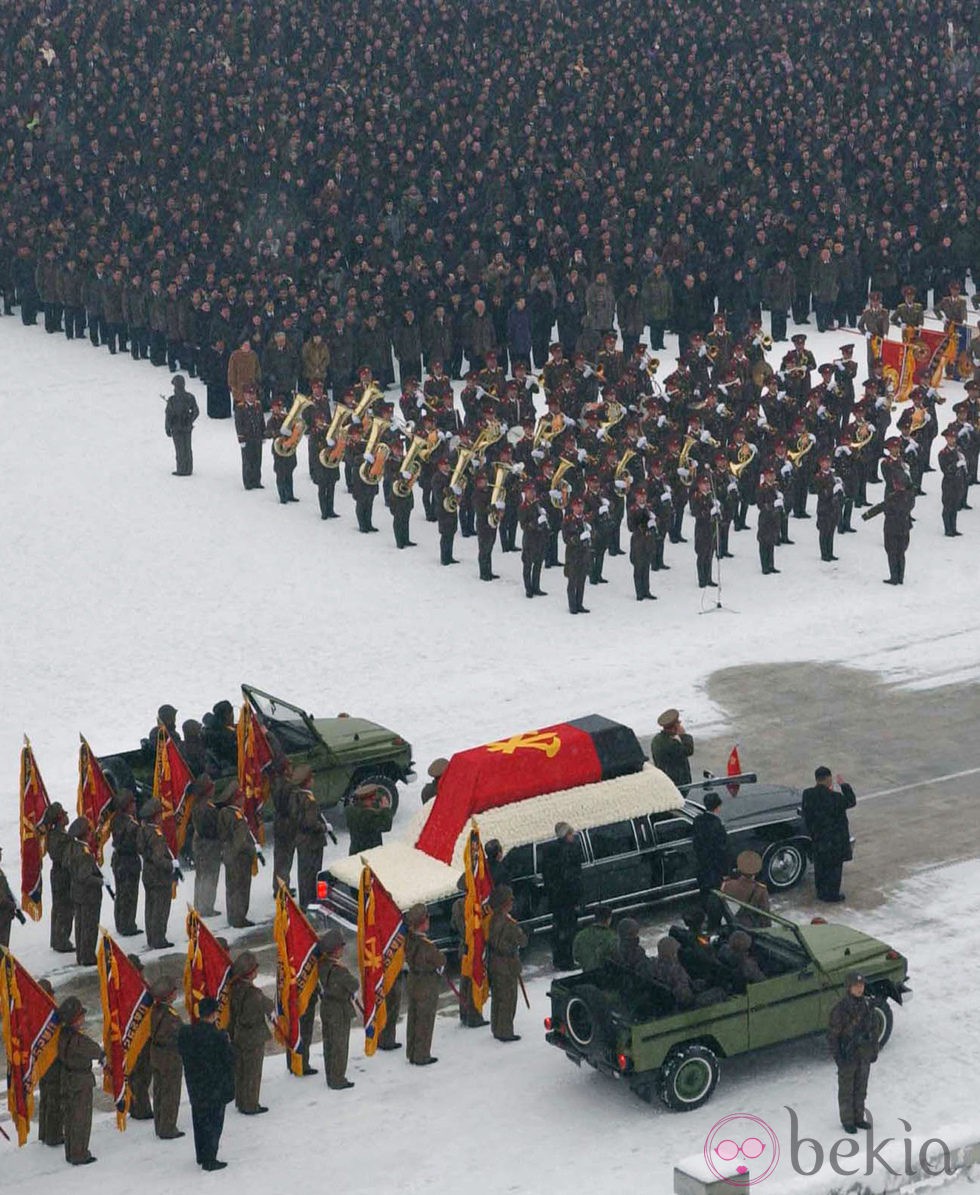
column 50, row 1117
column 141, row 1075
column 338, row 987
column 425, row 962
column 165, row 1064
column 853, row 1041
column 468, row 1015
column 207, row 846
column 506, row 939
column 249, row 1031
column 86, row 892
column 238, row 855
column 158, row 876
column 125, row 831
column 58, row 846
column 282, row 793
column 874, row 322
column 8, row 908
column 311, row 836
column 76, row 1053
column 746, row 888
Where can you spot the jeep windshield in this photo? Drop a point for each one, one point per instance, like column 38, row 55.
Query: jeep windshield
column 292, row 726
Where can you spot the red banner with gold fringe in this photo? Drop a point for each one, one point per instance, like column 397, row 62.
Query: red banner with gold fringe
column 477, row 918
column 29, row 1020
column 126, row 1005
column 207, row 971
column 94, row 798
column 171, row 784
column 297, row 972
column 254, row 757
column 33, row 804
column 380, row 952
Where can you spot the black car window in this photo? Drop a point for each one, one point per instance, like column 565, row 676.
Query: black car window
column 618, row 838
column 671, row 829
column 519, row 862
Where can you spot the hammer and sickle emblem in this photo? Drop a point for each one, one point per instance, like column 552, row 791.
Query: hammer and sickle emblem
column 546, row 741
column 372, row 958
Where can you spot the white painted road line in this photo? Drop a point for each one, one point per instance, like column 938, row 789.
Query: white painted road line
column 905, row 788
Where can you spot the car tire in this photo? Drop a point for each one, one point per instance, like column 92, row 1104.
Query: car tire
column 587, row 1019
column 884, row 1019
column 783, row 866
column 688, row 1077
column 383, row 782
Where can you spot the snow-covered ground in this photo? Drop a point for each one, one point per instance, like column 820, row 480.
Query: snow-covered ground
column 125, row 587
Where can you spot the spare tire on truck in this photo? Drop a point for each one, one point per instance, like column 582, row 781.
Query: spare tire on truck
column 588, row 1020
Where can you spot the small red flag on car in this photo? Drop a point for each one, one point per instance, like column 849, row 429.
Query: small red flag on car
column 734, row 769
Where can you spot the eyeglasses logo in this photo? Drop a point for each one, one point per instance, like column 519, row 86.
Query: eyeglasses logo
column 741, row 1139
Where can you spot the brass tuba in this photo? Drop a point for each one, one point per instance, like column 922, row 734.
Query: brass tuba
column 419, row 451
column 331, row 456
column 623, row 473
column 499, row 481
column 371, row 472
column 450, row 501
column 547, row 428
column 558, row 483
column 487, row 435
column 291, row 431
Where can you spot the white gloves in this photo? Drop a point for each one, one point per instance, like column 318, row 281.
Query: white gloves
column 500, row 505
column 641, row 442
column 778, row 502
column 585, row 536
column 620, row 484
column 456, row 489
column 604, row 506
column 716, row 508
column 542, row 520
column 705, row 436
column 554, row 495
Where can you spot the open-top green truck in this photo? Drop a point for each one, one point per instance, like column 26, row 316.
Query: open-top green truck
column 626, row 1025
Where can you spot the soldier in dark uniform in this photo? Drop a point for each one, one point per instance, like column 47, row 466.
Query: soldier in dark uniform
column 249, row 1031
column 141, row 1075
column 206, row 843
column 505, row 940
column 158, row 876
column 830, row 496
column 709, row 839
column 602, row 519
column 486, row 531
column 238, row 853
column 642, row 523
column 50, row 1116
column 165, row 1063
column 401, row 504
column 898, row 525
column 771, row 506
column 469, row 1018
column 8, row 908
column 324, row 477
column 311, row 837
column 874, row 322
column 369, row 816
column 706, row 511
column 447, row 519
column 363, row 493
column 76, row 1053
column 672, row 747
column 825, row 814
column 338, row 987
column 125, row 830
column 577, row 534
column 250, row 428
column 182, row 410
column 283, row 465
column 209, row 1072
column 952, row 463
column 282, row 794
column 58, row 847
column 425, row 962
column 853, row 1040
column 86, row 892
column 561, row 872
column 534, row 541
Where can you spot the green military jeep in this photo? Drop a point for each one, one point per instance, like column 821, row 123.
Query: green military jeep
column 631, row 1028
column 343, row 752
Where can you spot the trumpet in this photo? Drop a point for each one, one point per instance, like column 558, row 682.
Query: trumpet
column 291, row 431
column 557, row 483
column 372, row 471
column 450, row 502
column 330, row 457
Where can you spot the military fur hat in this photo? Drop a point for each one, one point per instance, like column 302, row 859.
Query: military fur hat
column 303, row 774
column 437, row 767
column 150, row 809
column 122, row 799
column 501, row 895
column 70, row 1009
column 668, row 948
column 80, row 828
column 166, row 713
column 163, row 988
column 416, row 915
column 246, row 964
column 53, row 814
column 331, row 940
column 749, row 863
column 563, row 829
column 854, row 977
column 740, row 941
column 628, row 929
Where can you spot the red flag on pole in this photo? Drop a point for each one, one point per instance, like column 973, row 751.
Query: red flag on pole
column 473, row 964
column 33, row 804
column 126, row 1005
column 94, row 798
column 734, row 769
column 254, row 757
column 380, row 952
column 207, row 971
column 29, row 1020
column 171, row 784
column 297, row 972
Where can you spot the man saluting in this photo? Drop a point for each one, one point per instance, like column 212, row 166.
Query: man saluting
column 825, row 814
